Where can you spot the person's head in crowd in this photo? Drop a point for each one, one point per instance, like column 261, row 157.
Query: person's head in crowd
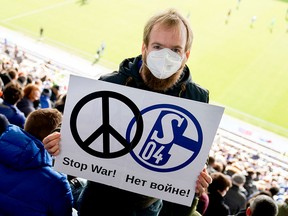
column 211, row 160
column 210, row 164
column 220, row 183
column 22, row 79
column 251, row 173
column 32, row 92
column 43, row 78
column 60, row 103
column 238, row 179
column 9, row 75
column 274, row 190
column 218, row 166
column 5, row 77
column 177, row 48
column 262, row 205
column 12, row 93
column 55, row 88
column 55, row 93
column 13, row 74
column 258, row 193
column 3, row 123
column 42, row 122
column 45, row 101
column 46, row 92
column 7, row 63
column 29, row 79
column 38, row 82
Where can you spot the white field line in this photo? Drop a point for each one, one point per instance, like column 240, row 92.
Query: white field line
column 285, row 130
column 60, row 4
column 63, row 46
column 24, row 30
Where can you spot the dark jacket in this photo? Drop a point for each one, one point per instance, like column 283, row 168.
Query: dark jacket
column 26, row 106
column 235, row 199
column 28, row 184
column 124, row 202
column 216, row 205
column 129, row 75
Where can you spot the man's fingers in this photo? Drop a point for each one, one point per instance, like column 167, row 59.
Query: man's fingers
column 55, row 153
column 51, row 137
column 206, row 176
column 51, row 143
column 204, row 179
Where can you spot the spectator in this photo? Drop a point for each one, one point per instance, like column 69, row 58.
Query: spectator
column 211, row 164
column 274, row 190
column 203, row 203
column 249, row 185
column 12, row 93
column 216, row 191
column 31, row 94
column 55, row 94
column 22, row 79
column 262, row 205
column 41, row 122
column 243, row 212
column 235, row 198
column 41, row 31
column 3, row 124
column 28, row 184
column 45, row 101
column 166, row 35
column 8, row 76
column 218, row 166
column 60, row 103
column 283, row 208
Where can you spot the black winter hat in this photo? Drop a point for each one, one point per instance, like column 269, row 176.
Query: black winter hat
column 46, row 92
column 3, row 123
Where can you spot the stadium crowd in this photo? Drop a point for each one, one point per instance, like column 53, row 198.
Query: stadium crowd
column 28, row 84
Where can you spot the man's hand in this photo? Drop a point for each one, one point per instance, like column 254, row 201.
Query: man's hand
column 204, row 179
column 51, row 143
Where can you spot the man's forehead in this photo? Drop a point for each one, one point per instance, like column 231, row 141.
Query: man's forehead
column 162, row 34
column 167, row 27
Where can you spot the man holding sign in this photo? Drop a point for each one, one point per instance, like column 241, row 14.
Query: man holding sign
column 161, row 68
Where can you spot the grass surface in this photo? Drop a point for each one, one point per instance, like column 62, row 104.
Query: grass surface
column 245, row 68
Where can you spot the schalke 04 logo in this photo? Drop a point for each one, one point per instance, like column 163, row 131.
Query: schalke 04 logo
column 173, row 139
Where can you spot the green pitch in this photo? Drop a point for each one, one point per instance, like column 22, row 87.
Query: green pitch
column 243, row 63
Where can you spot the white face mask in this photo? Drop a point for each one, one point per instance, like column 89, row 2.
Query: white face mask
column 163, row 63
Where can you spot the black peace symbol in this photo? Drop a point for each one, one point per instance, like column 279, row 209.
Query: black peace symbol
column 106, row 129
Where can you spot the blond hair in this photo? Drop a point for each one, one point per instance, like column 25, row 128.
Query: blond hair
column 170, row 18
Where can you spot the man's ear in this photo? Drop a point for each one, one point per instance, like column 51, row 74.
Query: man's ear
column 143, row 48
column 187, row 54
column 248, row 211
column 1, row 93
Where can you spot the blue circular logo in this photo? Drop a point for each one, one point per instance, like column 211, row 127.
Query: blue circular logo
column 172, row 138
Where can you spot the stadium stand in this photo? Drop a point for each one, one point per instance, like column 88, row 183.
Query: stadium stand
column 235, row 148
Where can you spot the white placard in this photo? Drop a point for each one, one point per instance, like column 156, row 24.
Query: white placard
column 140, row 141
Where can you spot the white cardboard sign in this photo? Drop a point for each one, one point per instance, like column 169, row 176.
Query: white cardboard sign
column 136, row 140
